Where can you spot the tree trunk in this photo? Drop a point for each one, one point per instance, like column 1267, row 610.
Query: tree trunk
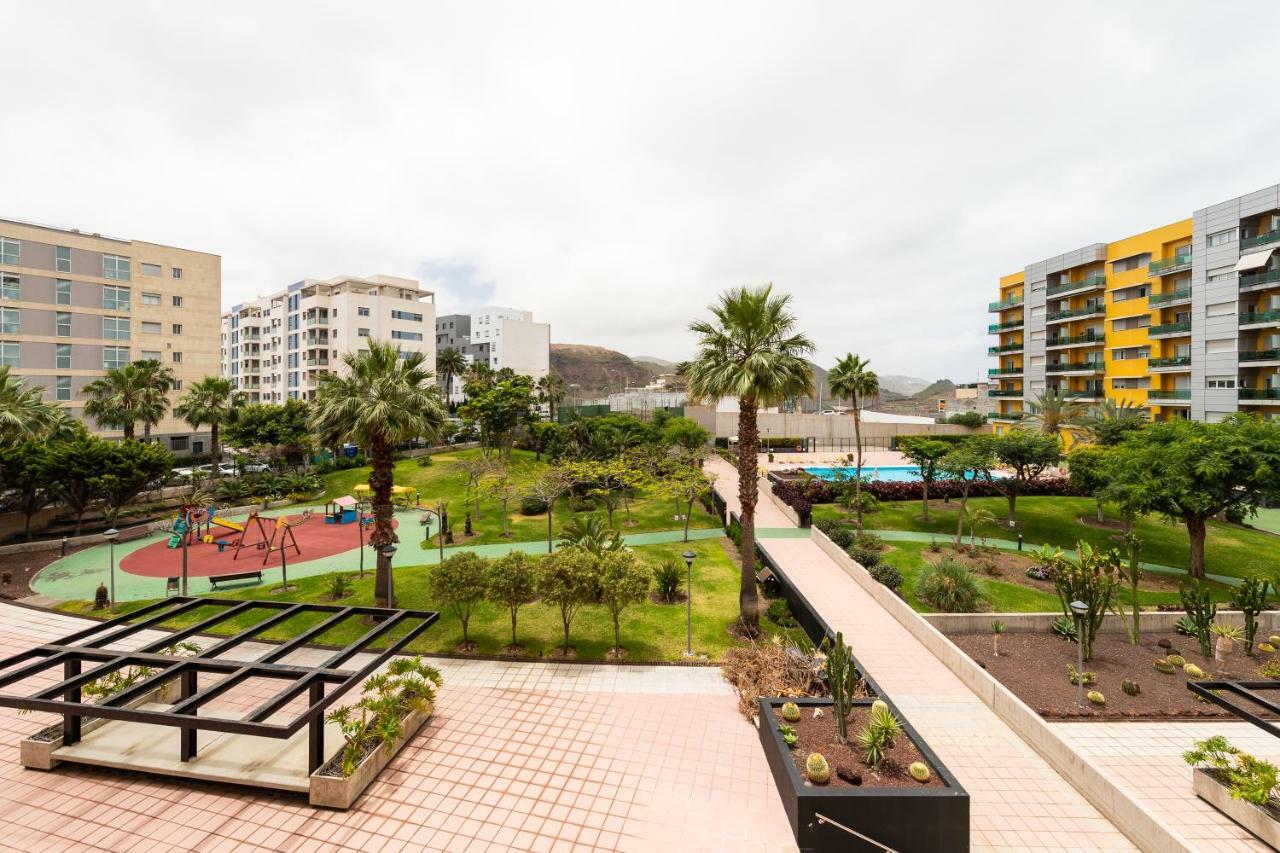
column 565, row 619
column 1102, row 514
column 687, row 514
column 146, row 431
column 513, row 626
column 748, row 492
column 964, row 508
column 924, row 515
column 215, row 451
column 128, row 431
column 551, row 505
column 1196, row 529
column 380, row 482
column 617, row 637
column 1012, row 497
column 857, row 440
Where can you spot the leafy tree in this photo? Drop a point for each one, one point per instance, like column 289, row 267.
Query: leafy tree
column 1052, row 410
column 459, row 584
column 1109, row 422
column 973, row 420
column 382, row 399
column 497, row 411
column 500, row 485
column 548, row 488
column 751, row 352
column 1024, row 455
column 25, row 476
column 450, row 363
column 685, row 483
column 551, row 391
column 209, row 401
column 1087, row 464
column 624, row 581
column 74, row 468
column 1192, row 471
column 852, row 379
column 279, row 429
column 685, row 433
column 542, row 436
column 23, row 411
column 511, row 580
column 965, row 463
column 566, row 580
column 926, row 453
column 126, row 468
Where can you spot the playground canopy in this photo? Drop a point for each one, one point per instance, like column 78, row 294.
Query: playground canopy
column 345, row 501
column 404, row 493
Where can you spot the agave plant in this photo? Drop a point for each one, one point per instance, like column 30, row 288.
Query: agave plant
column 592, row 533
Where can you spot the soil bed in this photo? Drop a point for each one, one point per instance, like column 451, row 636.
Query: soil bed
column 1034, row 667
column 1011, row 567
column 24, row 567
column 820, row 736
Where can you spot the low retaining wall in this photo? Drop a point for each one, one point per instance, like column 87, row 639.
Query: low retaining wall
column 1142, row 828
column 766, row 488
column 1031, row 623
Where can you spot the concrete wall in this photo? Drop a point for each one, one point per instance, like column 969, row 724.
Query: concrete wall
column 1033, row 623
column 725, row 424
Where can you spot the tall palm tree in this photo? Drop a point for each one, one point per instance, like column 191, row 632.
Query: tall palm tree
column 154, row 402
column 378, row 401
column 851, row 380
column 551, row 391
column 121, row 398
column 209, row 401
column 1052, row 410
column 1109, row 421
column 23, row 411
column 750, row 351
column 450, row 362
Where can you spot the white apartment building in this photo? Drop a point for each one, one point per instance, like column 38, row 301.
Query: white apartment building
column 503, row 337
column 276, row 347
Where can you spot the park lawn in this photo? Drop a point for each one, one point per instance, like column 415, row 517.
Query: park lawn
column 446, row 480
column 1230, row 549
column 650, row 631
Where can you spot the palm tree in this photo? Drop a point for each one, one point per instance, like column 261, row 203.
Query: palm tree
column 1052, row 410
column 1109, row 421
column 750, row 351
column 551, row 391
column 209, row 401
column 450, row 362
column 158, row 381
column 378, row 401
column 23, row 411
column 851, row 379
column 121, row 398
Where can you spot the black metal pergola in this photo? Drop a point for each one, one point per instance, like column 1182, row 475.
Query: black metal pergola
column 84, row 659
column 1228, row 695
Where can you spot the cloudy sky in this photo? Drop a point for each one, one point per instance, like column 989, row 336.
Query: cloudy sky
column 613, row 167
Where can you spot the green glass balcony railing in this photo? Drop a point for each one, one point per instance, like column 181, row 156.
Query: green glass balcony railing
column 1170, row 361
column 1075, row 367
column 1014, row 347
column 1087, row 311
column 1260, row 240
column 1169, row 394
column 1090, row 282
column 1005, row 305
column 1167, row 298
column 1259, row 317
column 1168, row 265
column 1004, row 371
column 1075, row 339
column 997, row 328
column 1260, row 355
column 1259, row 393
column 1000, row 392
column 1170, row 328
column 1259, row 278
column 1008, row 416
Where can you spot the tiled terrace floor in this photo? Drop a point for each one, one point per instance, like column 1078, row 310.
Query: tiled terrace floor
column 518, row 756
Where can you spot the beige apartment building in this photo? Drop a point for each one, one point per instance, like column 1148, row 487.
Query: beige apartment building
column 277, row 347
column 73, row 304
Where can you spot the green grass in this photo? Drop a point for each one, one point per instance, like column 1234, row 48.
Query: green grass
column 446, row 480
column 650, row 632
column 1229, row 549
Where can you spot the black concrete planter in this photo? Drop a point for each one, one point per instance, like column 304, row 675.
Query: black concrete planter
column 904, row 819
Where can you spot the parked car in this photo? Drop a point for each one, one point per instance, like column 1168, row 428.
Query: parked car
column 256, row 468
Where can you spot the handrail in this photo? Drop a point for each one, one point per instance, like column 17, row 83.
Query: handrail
column 824, row 819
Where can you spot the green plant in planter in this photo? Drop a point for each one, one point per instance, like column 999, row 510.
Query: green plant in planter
column 1064, row 628
column 1077, row 677
column 113, row 682
column 1274, row 640
column 1130, row 688
column 1251, row 598
column 790, row 712
column 1194, row 671
column 1166, row 666
column 1267, row 648
column 1096, row 697
column 882, row 730
column 387, row 698
column 1091, row 579
column 1197, row 600
column 779, row 613
column 1247, row 778
column 1270, row 669
column 817, row 770
column 997, row 628
column 1177, row 660
column 789, row 736
column 919, row 771
column 843, row 681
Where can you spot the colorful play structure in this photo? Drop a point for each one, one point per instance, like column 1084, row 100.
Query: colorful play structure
column 196, row 525
column 403, row 496
column 341, row 510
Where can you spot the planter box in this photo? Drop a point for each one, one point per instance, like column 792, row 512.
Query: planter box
column 1261, row 822
column 904, row 819
column 339, row 792
column 36, row 753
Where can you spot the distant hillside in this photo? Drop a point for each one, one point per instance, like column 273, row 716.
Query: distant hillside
column 940, row 388
column 662, row 365
column 597, row 371
column 903, row 386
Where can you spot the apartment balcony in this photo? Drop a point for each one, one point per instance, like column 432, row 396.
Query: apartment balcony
column 1169, row 396
column 1075, row 314
column 1260, row 358
column 1016, row 346
column 1170, row 364
column 1075, row 341
column 1260, row 280
column 1261, row 240
column 1004, row 371
column 1259, row 319
column 1015, row 302
column 317, row 362
column 1080, row 368
column 997, row 328
column 1170, row 330
column 1007, row 416
column 315, row 321
column 1071, row 288
column 1258, row 395
column 1175, row 297
column 1168, row 266
column 1088, row 394
column 1005, row 392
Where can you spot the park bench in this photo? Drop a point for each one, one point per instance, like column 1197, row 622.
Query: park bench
column 214, row 580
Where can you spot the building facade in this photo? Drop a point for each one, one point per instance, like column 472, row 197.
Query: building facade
column 501, row 337
column 74, row 304
column 1182, row 320
column 276, row 347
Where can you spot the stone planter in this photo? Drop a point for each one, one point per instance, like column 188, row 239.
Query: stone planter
column 340, row 792
column 904, row 819
column 36, row 752
column 1262, row 822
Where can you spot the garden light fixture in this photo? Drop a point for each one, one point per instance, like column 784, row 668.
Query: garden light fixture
column 688, row 562
column 111, row 536
column 1079, row 610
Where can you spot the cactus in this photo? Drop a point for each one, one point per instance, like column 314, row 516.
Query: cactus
column 1077, row 677
column 1130, row 688
column 1270, row 669
column 1177, row 660
column 1251, row 598
column 1197, row 600
column 919, row 771
column 1269, row 648
column 843, row 681
column 1274, row 640
column 878, row 704
column 790, row 712
column 789, row 735
column 816, row 769
column 1096, row 698
column 1194, row 671
column 1166, row 666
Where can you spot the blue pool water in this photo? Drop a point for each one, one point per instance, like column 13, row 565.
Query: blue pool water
column 888, row 473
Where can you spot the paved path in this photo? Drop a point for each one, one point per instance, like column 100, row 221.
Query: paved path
column 1017, row 801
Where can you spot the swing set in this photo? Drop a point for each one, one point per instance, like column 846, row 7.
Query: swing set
column 281, row 539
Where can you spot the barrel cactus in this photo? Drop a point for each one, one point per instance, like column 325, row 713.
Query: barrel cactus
column 1269, row 648
column 919, row 771
column 790, row 712
column 878, row 704
column 1166, row 666
column 1177, row 660
column 1274, row 640
column 1193, row 671
column 1130, row 688
column 817, row 769
column 1096, row 697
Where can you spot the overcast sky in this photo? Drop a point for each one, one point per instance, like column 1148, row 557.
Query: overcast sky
column 614, row 168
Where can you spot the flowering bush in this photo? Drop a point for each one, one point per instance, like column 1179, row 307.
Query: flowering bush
column 801, row 495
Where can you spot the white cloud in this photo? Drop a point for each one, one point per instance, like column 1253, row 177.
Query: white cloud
column 613, row 168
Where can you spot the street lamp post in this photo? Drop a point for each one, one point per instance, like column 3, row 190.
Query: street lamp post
column 184, row 561
column 688, row 562
column 1078, row 610
column 361, row 508
column 389, row 551
column 111, row 536
column 426, row 520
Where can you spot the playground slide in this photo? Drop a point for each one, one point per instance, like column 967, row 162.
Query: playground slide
column 180, row 529
column 230, row 525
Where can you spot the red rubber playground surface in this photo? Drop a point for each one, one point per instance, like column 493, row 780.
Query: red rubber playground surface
column 315, row 539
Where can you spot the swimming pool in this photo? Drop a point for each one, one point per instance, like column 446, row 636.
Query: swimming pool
column 886, row 473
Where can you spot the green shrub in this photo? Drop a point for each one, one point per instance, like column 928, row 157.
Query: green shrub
column 668, row 577
column 868, row 558
column 532, row 505
column 871, row 541
column 338, row 584
column 887, row 575
column 779, row 613
column 949, row 586
column 839, row 534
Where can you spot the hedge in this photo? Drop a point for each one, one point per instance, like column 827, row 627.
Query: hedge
column 801, row 495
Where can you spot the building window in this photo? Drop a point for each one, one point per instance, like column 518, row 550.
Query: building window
column 150, row 355
column 1220, row 382
column 176, row 272
column 178, row 442
column 64, row 356
column 150, row 269
column 115, row 267
column 150, row 328
column 1222, row 274
column 364, row 333
column 113, row 357
column 1220, row 238
column 177, row 386
column 406, row 315
column 63, row 288
column 150, row 298
column 406, row 336
column 62, row 324
column 115, row 298
column 10, row 251
column 63, row 388
column 10, row 354
column 10, row 287
column 62, row 258
column 362, row 311
column 10, row 321
column 115, row 328
column 177, row 358
column 177, row 302
column 177, row 328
